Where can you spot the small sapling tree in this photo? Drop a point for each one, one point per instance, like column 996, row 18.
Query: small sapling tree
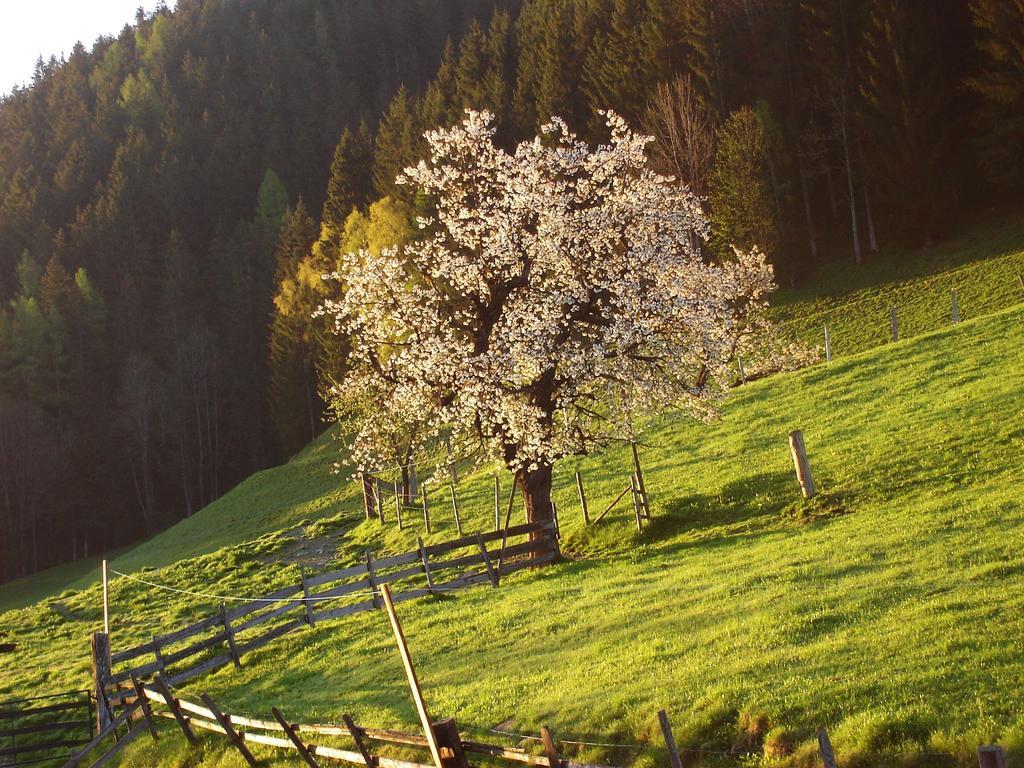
column 554, row 291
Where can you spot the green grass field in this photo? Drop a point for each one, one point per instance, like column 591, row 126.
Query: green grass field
column 889, row 609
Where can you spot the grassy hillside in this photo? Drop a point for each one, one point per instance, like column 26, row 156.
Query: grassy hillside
column 984, row 266
column 889, row 609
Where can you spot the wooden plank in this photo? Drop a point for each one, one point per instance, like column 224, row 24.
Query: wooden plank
column 670, row 740
column 549, row 747
column 346, row 756
column 425, row 560
column 358, row 739
column 142, row 671
column 345, row 589
column 225, row 723
column 583, row 499
column 398, row 505
column 195, row 709
column 186, row 632
column 111, row 753
column 410, row 673
column 19, row 713
column 828, row 755
column 487, row 560
column 140, row 694
column 344, row 573
column 306, row 755
column 195, row 648
column 396, row 737
column 641, row 485
column 392, row 561
column 200, row 669
column 131, row 653
column 109, row 730
column 272, row 634
column 455, row 510
column 508, row 568
column 505, row 753
column 348, row 610
column 58, row 725
column 612, row 505
column 175, row 709
column 405, row 573
column 426, row 508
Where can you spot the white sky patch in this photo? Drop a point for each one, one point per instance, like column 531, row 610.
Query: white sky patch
column 33, row 28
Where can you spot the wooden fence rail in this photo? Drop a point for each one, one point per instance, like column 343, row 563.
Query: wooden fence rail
column 282, row 733
column 231, row 632
column 40, row 728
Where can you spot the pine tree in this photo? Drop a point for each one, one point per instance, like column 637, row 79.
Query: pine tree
column 1000, row 83
column 294, row 402
column 347, row 186
column 396, row 146
column 903, row 77
column 616, row 71
column 271, row 203
column 742, row 209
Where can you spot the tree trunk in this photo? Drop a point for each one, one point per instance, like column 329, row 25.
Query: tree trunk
column 536, row 489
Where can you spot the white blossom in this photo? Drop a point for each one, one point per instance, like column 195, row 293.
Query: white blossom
column 554, row 293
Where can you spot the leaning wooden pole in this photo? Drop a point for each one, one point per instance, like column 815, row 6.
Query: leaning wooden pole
column 801, row 463
column 410, row 674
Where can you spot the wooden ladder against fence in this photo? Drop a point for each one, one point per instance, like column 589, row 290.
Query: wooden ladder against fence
column 231, row 632
column 44, row 728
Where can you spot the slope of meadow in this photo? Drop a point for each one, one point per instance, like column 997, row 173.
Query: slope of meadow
column 889, row 609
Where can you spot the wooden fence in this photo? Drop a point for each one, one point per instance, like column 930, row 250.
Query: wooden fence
column 157, row 701
column 224, row 637
column 44, row 728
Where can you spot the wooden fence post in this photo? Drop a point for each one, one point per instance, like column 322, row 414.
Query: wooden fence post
column 379, row 499
column 991, row 756
column 583, row 499
column 640, row 485
column 491, row 573
column 426, row 509
column 956, row 309
column 100, row 674
column 743, row 373
column 894, row 319
column 140, row 696
column 410, row 674
column 549, row 747
column 635, row 492
column 225, row 723
column 398, row 505
column 426, row 565
column 371, row 578
column 455, row 509
column 670, row 740
column 305, row 597
column 172, row 704
column 497, row 502
column 232, row 647
column 357, row 737
column 828, row 756
column 800, row 462
column 293, row 737
column 367, row 494
column 450, row 744
column 828, row 345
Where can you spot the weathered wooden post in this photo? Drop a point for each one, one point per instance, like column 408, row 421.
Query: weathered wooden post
column 549, row 747
column 367, row 495
column 991, row 756
column 583, row 499
column 894, row 319
column 106, row 602
column 956, row 310
column 670, row 740
column 800, row 462
column 497, row 502
column 100, row 645
column 398, row 504
column 455, row 509
column 426, row 509
column 828, row 756
column 640, row 485
column 743, row 373
column 449, row 744
column 828, row 345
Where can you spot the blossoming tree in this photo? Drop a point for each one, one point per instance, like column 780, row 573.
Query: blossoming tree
column 553, row 290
